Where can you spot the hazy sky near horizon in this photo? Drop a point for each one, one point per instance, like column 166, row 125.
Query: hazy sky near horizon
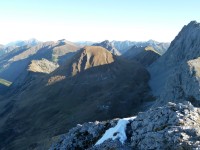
column 95, row 20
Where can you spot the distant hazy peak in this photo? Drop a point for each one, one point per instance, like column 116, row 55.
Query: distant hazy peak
column 105, row 43
column 64, row 41
column 30, row 42
column 109, row 46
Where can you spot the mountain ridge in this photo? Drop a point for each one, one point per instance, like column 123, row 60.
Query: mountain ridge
column 153, row 129
column 52, row 51
column 109, row 46
column 175, row 70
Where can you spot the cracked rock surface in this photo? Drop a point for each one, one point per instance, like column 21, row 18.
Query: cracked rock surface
column 173, row 126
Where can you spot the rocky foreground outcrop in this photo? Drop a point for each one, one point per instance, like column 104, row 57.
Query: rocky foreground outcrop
column 173, row 126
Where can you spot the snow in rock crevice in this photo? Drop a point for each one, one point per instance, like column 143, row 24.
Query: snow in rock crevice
column 117, row 132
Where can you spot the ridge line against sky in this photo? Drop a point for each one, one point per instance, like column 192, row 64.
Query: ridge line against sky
column 97, row 20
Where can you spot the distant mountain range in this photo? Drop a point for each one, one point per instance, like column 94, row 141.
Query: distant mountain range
column 14, row 62
column 123, row 46
column 17, row 44
column 119, row 47
column 30, row 42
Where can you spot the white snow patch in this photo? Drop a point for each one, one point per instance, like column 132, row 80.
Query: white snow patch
column 117, row 132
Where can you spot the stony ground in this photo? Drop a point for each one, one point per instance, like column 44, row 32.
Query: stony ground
column 174, row 126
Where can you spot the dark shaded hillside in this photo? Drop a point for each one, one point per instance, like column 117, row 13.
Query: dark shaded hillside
column 144, row 55
column 92, row 85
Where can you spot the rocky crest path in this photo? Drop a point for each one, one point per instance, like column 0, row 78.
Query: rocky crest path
column 173, row 126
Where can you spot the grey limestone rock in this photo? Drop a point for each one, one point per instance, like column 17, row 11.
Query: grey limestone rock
column 173, row 126
column 83, row 136
column 175, row 76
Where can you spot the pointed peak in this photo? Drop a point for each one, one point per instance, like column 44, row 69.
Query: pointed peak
column 192, row 25
column 151, row 41
column 62, row 40
column 109, row 46
column 106, row 41
column 194, row 22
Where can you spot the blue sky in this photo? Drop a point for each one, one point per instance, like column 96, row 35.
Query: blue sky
column 95, row 20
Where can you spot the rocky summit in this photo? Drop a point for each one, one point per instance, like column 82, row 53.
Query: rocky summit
column 173, row 126
column 175, row 76
column 109, row 46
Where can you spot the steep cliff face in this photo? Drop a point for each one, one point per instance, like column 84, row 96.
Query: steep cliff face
column 176, row 74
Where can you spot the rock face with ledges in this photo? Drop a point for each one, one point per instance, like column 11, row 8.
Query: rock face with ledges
column 175, row 75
